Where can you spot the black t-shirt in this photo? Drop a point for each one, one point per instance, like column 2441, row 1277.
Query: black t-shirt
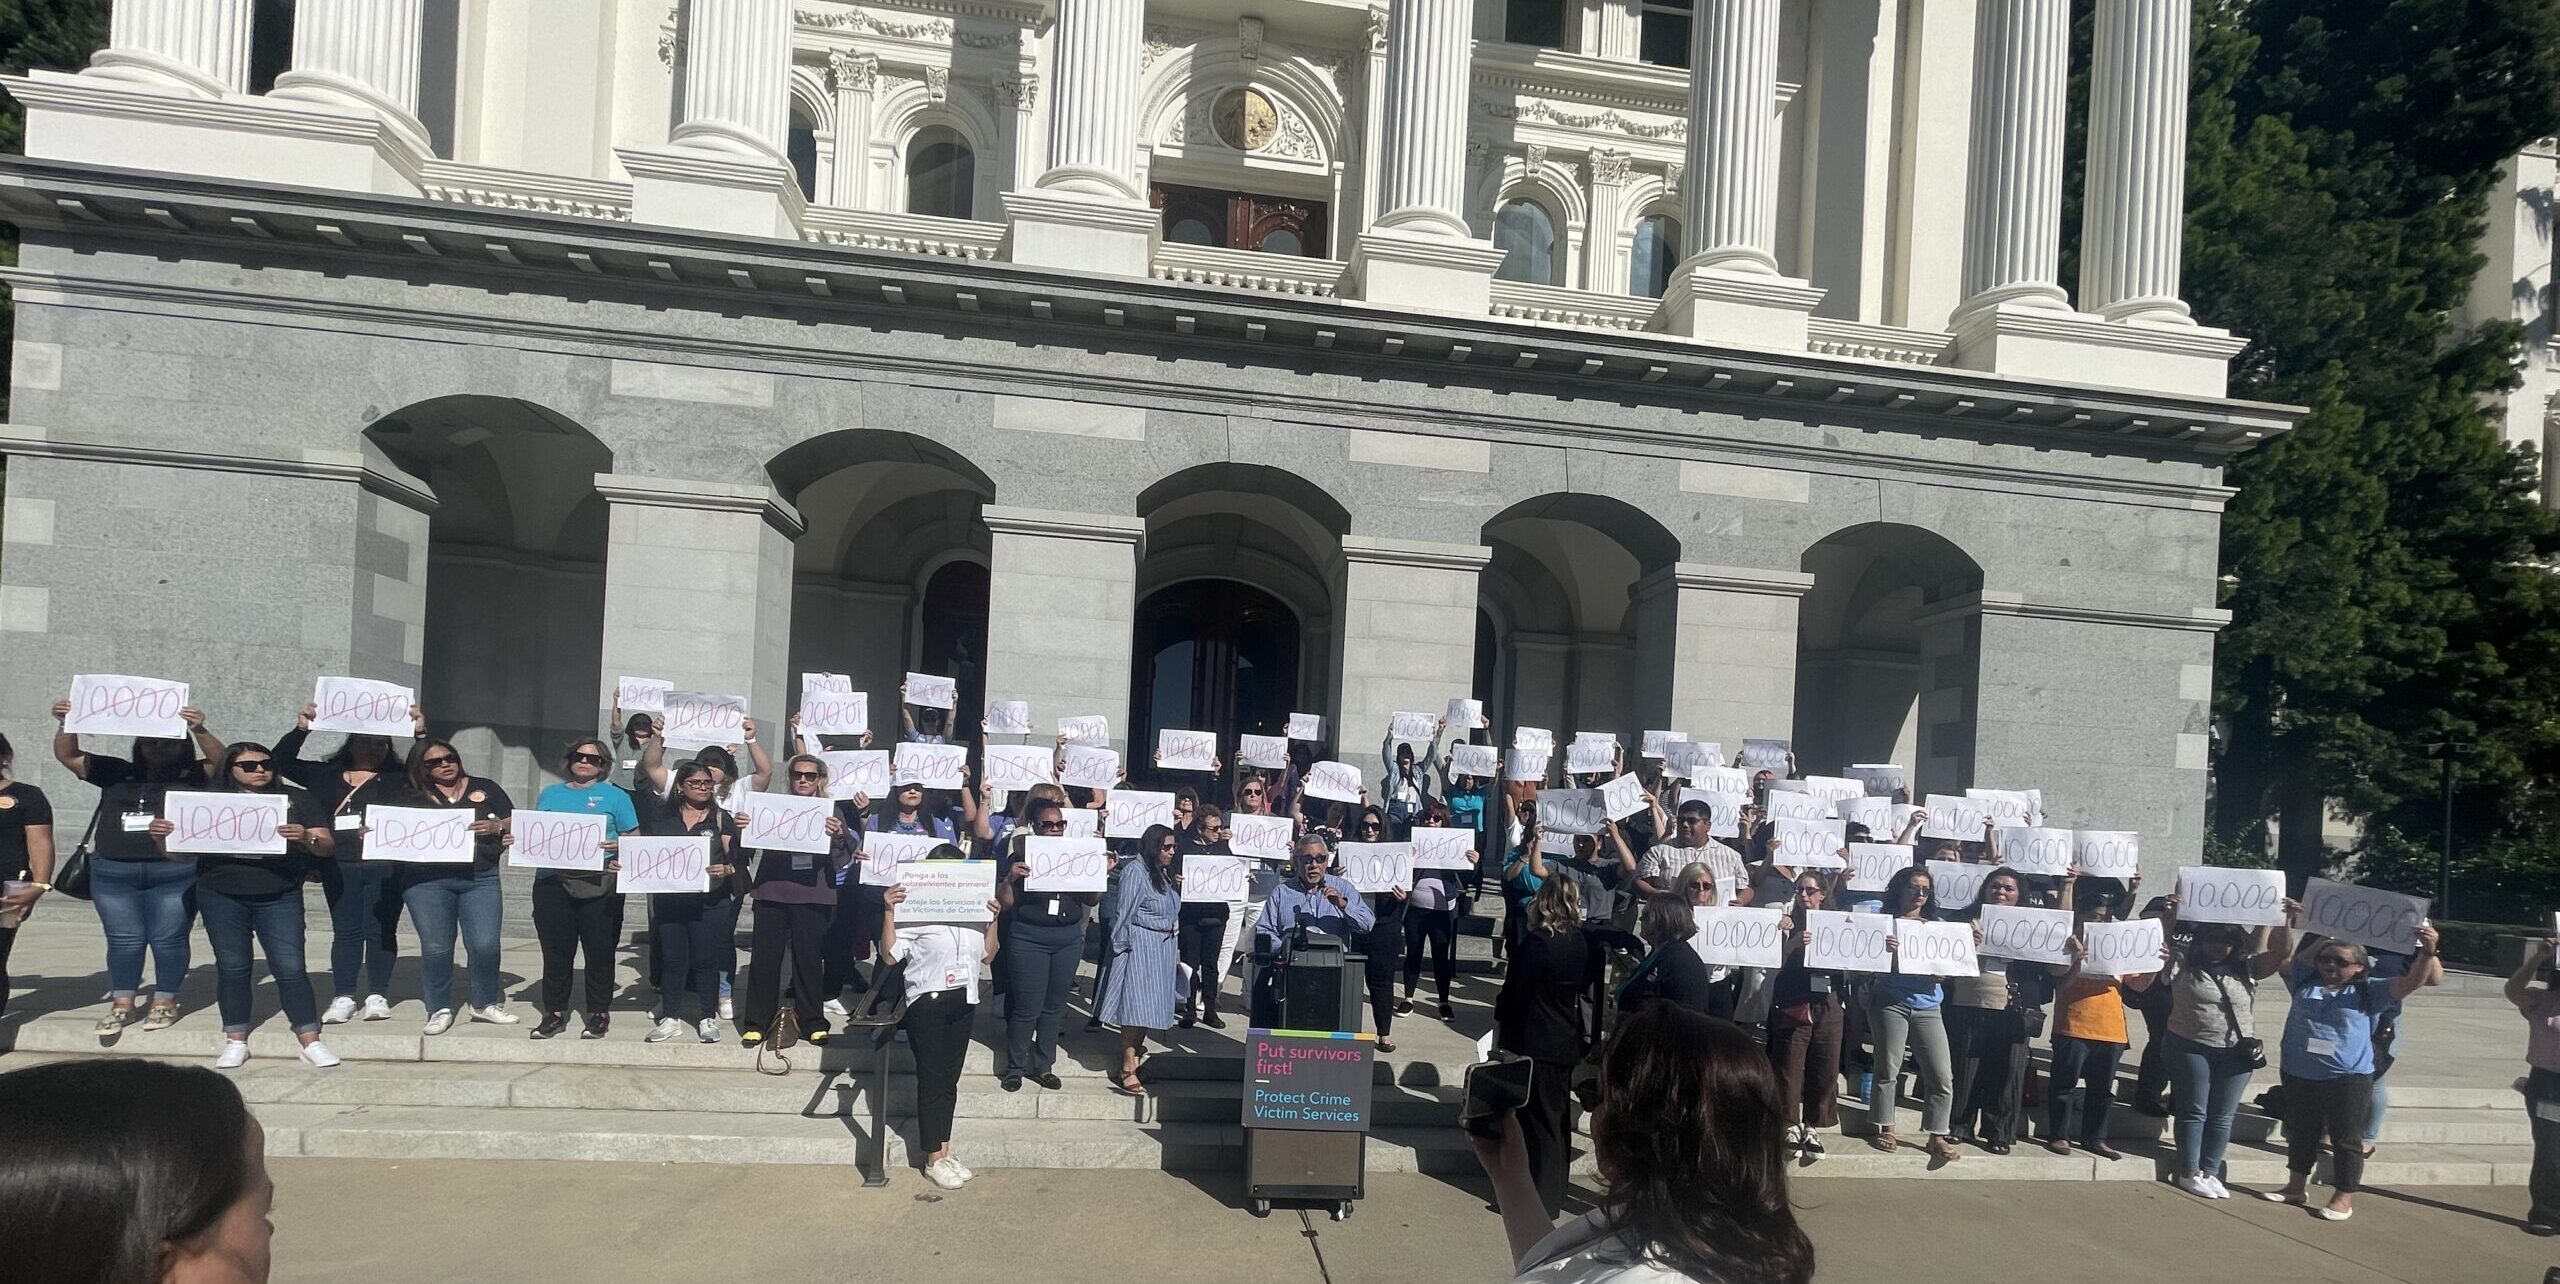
column 263, row 876
column 127, row 804
column 1676, row 974
column 485, row 800
column 22, row 807
column 1043, row 909
column 668, row 822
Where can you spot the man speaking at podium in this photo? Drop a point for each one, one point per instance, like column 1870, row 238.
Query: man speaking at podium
column 1314, row 900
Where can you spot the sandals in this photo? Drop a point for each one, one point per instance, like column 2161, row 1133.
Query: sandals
column 1883, row 1140
column 163, row 1015
column 1942, row 1151
column 1386, row 1044
column 114, row 1022
column 1127, row 1084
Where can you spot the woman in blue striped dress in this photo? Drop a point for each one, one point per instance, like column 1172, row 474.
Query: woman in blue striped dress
column 1141, row 997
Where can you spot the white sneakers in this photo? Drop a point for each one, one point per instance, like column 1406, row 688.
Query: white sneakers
column 342, row 1009
column 376, row 1008
column 836, row 1008
column 946, row 1173
column 439, row 1020
column 235, row 1054
column 709, row 1029
column 667, row 1028
column 318, row 1055
column 2201, row 1186
column 728, row 1009
column 496, row 1014
column 963, row 1169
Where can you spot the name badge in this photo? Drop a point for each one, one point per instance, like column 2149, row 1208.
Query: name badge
column 1053, row 907
column 630, row 763
column 344, row 823
column 2320, row 1047
column 138, row 822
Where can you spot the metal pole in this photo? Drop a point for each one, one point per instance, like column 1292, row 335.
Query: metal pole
column 2444, row 858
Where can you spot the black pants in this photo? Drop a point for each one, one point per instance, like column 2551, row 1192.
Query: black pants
column 2092, row 1065
column 1384, row 943
column 1546, row 1126
column 849, row 937
column 2542, row 1089
column 8, row 938
column 2151, row 1077
column 1807, row 1056
column 693, row 934
column 799, row 933
column 937, row 1027
column 1042, row 958
column 1440, row 929
column 2327, row 1110
column 1203, row 931
column 568, row 925
column 1989, row 1046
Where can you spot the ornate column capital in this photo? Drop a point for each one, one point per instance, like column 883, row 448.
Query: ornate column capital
column 852, row 72
column 1018, row 90
column 1610, row 167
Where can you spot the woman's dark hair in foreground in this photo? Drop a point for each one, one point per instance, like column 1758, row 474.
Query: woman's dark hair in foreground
column 1688, row 1136
column 105, row 1164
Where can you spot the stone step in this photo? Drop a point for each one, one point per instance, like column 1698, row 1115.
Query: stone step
column 2404, row 1124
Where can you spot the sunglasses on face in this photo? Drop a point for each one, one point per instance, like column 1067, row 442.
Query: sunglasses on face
column 698, row 782
column 442, row 760
column 590, row 759
column 1045, row 826
column 1253, row 793
column 254, row 764
column 808, row 775
column 1164, row 847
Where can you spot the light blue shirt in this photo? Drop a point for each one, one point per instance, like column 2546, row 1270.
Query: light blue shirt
column 603, row 798
column 1293, row 903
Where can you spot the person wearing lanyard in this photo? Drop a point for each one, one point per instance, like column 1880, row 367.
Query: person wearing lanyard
column 441, row 897
column 1044, row 940
column 794, row 895
column 364, row 899
column 145, row 900
column 2540, row 1008
column 2328, row 1065
column 26, row 857
column 688, row 925
column 574, row 910
column 940, row 962
column 241, row 897
column 1431, row 918
column 1382, row 941
column 1203, row 923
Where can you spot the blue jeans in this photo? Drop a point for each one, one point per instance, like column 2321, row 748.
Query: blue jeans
column 276, row 921
column 692, row 934
column 145, row 904
column 2205, row 1085
column 364, row 924
column 436, row 903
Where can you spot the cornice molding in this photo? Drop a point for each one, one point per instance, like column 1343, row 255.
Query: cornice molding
column 1381, row 551
column 1101, row 528
column 674, row 492
column 319, row 465
column 2202, row 619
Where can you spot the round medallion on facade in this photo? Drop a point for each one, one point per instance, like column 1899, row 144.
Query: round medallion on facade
column 1246, row 120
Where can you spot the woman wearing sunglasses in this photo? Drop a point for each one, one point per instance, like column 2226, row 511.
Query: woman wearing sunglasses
column 1043, row 940
column 795, row 895
column 1431, row 918
column 2328, row 1064
column 260, row 897
column 146, row 900
column 576, row 911
column 364, row 899
column 441, row 897
column 1141, row 997
column 694, row 929
column 1805, row 1017
column 1907, row 1009
column 1203, row 933
column 1384, row 941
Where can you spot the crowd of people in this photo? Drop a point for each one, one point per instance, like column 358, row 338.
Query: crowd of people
column 1592, row 924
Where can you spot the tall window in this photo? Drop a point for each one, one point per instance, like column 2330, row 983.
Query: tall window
column 1534, row 22
column 1527, row 238
column 942, row 173
column 1656, row 251
column 801, row 149
column 1663, row 39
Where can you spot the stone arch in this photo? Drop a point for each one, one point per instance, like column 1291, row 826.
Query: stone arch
column 1214, row 66
column 1560, row 586
column 1889, row 653
column 907, row 108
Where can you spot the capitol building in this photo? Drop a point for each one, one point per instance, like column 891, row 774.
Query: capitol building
column 1629, row 364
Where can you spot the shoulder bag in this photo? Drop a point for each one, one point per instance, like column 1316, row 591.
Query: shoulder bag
column 71, row 873
column 2252, row 1049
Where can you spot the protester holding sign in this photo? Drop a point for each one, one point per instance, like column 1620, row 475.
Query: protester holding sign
column 442, row 898
column 940, row 962
column 2210, row 1046
column 1043, row 940
column 1903, row 1009
column 2089, row 1034
column 1141, row 997
column 1431, row 918
column 794, row 893
column 1203, row 932
column 1407, row 785
column 242, row 897
column 1988, row 1021
column 1804, row 1028
column 1382, row 942
column 694, row 929
column 2540, row 1008
column 1538, row 1015
column 1465, row 792
column 364, row 898
column 576, row 912
column 144, row 898
column 2329, row 1062
column 727, row 785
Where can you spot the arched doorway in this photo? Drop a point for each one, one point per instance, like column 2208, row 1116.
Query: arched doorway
column 1559, row 594
column 1212, row 655
column 510, row 634
column 1887, row 655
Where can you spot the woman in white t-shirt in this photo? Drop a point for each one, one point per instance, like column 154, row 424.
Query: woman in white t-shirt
column 941, row 962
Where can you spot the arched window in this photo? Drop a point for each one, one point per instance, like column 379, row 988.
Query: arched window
column 1656, row 252
column 942, row 173
column 1526, row 235
column 801, row 149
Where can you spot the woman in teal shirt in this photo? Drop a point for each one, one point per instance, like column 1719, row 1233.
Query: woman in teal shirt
column 575, row 910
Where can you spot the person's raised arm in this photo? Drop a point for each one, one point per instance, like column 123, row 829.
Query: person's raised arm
column 889, row 920
column 653, row 759
column 763, row 774
column 2519, row 986
column 1515, row 1189
column 208, row 745
column 2070, row 884
column 1537, row 850
column 2276, row 949
column 975, row 808
column 2424, row 970
column 1626, row 855
column 66, row 746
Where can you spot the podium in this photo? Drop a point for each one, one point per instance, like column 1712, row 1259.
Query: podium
column 1307, row 1083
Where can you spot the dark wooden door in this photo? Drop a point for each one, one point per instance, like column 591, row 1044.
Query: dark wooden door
column 1233, row 220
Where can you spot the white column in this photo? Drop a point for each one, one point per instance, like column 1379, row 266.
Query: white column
column 737, row 77
column 1729, row 289
column 197, row 45
column 1087, row 211
column 1020, row 90
column 2132, row 224
column 360, row 54
column 856, row 76
column 1373, row 115
column 1419, row 252
column 2013, row 195
column 723, row 169
column 1601, row 271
